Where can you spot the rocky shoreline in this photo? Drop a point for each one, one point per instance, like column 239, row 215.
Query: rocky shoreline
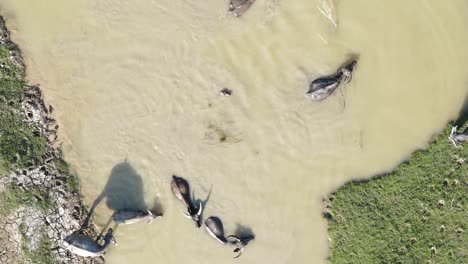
column 44, row 201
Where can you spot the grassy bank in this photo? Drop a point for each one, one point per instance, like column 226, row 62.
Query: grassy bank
column 35, row 181
column 20, row 144
column 14, row 196
column 416, row 214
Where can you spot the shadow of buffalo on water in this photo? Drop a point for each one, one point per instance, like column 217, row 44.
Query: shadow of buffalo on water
column 123, row 191
column 243, row 231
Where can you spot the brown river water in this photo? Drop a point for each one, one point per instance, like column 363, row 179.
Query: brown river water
column 135, row 86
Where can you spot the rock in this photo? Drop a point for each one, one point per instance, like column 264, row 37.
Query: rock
column 50, row 220
column 225, row 92
column 51, row 234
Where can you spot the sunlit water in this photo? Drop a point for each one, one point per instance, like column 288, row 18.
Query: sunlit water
column 135, row 85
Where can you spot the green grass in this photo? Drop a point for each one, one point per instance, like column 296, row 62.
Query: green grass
column 3, row 170
column 400, row 217
column 62, row 167
column 15, row 196
column 10, row 69
column 42, row 254
column 19, row 145
column 72, row 181
column 4, row 52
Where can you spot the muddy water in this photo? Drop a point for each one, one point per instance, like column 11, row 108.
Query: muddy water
column 135, row 87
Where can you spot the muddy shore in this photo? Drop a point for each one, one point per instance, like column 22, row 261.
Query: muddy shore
column 41, row 201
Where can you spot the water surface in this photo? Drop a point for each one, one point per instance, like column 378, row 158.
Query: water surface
column 135, row 87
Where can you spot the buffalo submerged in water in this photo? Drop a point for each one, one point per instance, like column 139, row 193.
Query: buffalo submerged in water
column 239, row 242
column 239, row 7
column 129, row 216
column 215, row 229
column 322, row 88
column 86, row 246
column 181, row 189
